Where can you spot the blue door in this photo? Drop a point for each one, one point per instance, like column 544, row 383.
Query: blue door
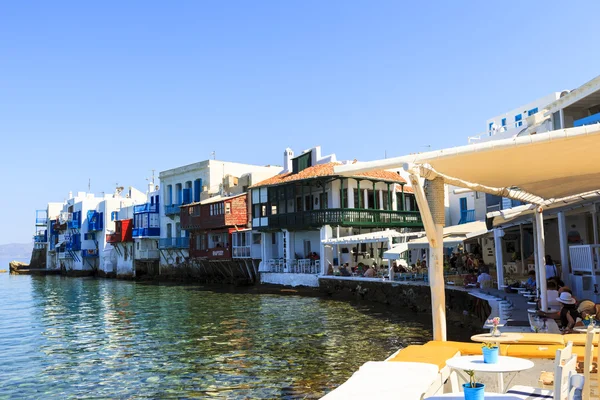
column 463, row 204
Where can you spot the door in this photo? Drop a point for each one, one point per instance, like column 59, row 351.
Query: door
column 463, row 205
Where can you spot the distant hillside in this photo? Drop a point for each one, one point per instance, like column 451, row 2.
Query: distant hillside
column 16, row 250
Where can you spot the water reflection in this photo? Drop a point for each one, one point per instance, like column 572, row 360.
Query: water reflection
column 92, row 338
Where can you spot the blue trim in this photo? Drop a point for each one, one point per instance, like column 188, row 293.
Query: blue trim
column 503, row 121
column 532, row 111
column 592, row 119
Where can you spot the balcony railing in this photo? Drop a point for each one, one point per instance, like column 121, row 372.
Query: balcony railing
column 173, row 209
column 145, row 232
column 345, row 217
column 592, row 119
column 113, row 238
column 466, row 216
column 303, row 266
column 147, row 254
column 174, row 243
column 89, row 253
column 40, row 238
column 148, row 207
column 41, row 221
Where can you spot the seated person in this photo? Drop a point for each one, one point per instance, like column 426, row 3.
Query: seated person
column 329, row 269
column 370, row 273
column 470, row 279
column 567, row 314
column 552, row 293
column 588, row 307
column 484, row 280
column 531, row 283
column 344, row 271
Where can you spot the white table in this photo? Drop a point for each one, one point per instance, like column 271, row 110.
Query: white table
column 583, row 329
column 504, row 364
column 461, row 396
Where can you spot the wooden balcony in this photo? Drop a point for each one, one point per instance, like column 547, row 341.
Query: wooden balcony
column 216, row 253
column 345, row 217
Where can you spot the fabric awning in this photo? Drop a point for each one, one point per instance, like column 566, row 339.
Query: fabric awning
column 537, row 169
column 453, row 235
column 395, row 252
column 371, row 237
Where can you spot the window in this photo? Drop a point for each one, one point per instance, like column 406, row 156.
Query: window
column 518, row 120
column 263, row 210
column 114, row 215
column 191, row 210
column 137, row 245
column 302, row 162
column 273, row 238
column 532, row 111
column 503, row 121
column 273, row 210
column 490, row 126
column 227, row 208
column 308, row 203
column 323, row 200
column 356, row 199
column 256, row 238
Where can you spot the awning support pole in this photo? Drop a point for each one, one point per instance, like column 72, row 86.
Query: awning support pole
column 541, row 259
column 521, row 234
column 498, row 234
column 564, row 248
column 434, row 228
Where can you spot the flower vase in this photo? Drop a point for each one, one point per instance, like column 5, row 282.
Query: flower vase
column 495, row 332
column 474, row 393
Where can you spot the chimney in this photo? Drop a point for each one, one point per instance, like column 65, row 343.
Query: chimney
column 288, row 154
column 70, row 195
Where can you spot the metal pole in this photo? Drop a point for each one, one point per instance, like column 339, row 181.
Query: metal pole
column 521, row 232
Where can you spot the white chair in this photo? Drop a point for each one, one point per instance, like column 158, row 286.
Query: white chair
column 561, row 384
column 546, row 380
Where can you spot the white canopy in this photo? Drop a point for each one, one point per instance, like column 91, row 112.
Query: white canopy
column 395, row 252
column 453, row 235
column 537, row 169
column 371, row 237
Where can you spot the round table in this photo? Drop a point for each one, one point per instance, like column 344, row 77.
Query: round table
column 505, row 337
column 504, row 364
column 583, row 329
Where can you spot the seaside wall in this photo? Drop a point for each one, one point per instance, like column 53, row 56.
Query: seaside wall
column 462, row 308
column 238, row 271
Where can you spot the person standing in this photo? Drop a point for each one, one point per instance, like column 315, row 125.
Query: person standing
column 551, row 270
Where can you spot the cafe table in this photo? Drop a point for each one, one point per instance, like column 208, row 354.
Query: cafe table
column 461, row 396
column 583, row 329
column 505, row 364
column 505, row 337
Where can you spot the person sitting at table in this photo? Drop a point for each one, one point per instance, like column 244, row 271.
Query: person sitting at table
column 531, row 283
column 551, row 270
column 567, row 314
column 552, row 293
column 370, row 273
column 344, row 271
column 484, row 280
column 470, row 279
column 588, row 307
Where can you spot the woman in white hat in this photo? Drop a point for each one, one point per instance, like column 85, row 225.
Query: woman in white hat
column 568, row 312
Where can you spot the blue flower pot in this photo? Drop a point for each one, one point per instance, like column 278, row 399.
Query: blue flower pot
column 490, row 356
column 586, row 322
column 475, row 393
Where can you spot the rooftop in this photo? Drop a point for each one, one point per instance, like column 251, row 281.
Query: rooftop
column 325, row 170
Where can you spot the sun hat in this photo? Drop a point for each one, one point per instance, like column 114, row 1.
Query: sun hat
column 566, row 298
column 587, row 306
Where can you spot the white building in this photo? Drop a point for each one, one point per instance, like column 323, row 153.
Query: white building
column 193, row 183
column 307, row 204
column 78, row 233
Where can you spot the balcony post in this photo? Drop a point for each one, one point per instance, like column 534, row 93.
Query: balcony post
column 389, row 197
column 374, row 197
column 358, row 191
column 403, row 205
column 394, row 205
column 323, row 199
column 381, row 199
column 350, row 195
column 366, row 198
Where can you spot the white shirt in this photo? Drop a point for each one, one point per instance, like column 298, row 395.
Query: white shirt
column 483, row 277
column 551, row 271
column 552, row 295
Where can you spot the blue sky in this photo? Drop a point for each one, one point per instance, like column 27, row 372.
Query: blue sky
column 111, row 90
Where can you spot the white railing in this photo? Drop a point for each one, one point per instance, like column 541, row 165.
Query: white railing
column 240, row 251
column 147, row 254
column 584, row 257
column 303, row 266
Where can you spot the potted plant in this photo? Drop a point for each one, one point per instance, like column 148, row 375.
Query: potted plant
column 473, row 390
column 490, row 353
